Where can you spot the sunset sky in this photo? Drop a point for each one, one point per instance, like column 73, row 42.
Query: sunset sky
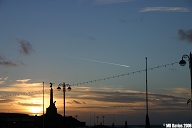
column 79, row 41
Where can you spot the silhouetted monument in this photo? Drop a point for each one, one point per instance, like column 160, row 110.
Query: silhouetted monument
column 52, row 118
column 51, row 110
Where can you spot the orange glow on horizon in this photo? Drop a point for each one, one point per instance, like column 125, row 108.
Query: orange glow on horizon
column 35, row 110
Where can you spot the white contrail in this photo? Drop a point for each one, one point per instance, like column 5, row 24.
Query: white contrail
column 100, row 61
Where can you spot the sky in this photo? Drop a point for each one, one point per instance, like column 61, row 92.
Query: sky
column 90, row 44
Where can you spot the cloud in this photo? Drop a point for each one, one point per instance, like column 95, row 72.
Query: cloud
column 181, row 90
column 91, row 38
column 3, row 80
column 23, row 80
column 112, row 1
column 76, row 102
column 184, row 92
column 6, row 100
column 25, row 47
column 87, row 37
column 185, row 35
column 129, row 99
column 5, row 62
column 84, row 101
column 166, row 9
column 29, row 104
column 23, row 86
column 104, row 100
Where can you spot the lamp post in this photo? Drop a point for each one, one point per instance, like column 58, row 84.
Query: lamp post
column 182, row 63
column 97, row 119
column 64, row 90
column 103, row 119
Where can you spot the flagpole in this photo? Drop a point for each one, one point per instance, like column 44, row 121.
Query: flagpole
column 146, row 88
column 147, row 122
column 43, row 105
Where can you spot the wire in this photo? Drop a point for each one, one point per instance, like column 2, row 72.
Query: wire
column 97, row 80
column 130, row 73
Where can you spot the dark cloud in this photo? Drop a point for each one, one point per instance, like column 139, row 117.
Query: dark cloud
column 185, row 35
column 133, row 100
column 6, row 100
column 120, row 97
column 5, row 62
column 29, row 104
column 91, row 38
column 92, row 106
column 25, row 47
column 76, row 102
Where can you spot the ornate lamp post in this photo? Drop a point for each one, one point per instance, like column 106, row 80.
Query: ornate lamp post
column 64, row 90
column 182, row 63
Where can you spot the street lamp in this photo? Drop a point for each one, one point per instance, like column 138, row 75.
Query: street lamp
column 103, row 119
column 182, row 63
column 64, row 90
column 97, row 119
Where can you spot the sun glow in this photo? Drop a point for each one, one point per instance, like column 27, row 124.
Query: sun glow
column 36, row 110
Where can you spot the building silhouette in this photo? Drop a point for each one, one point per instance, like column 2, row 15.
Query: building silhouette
column 16, row 120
